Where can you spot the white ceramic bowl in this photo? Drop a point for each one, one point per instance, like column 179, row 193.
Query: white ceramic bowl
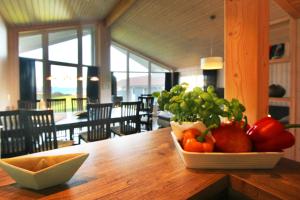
column 214, row 160
column 39, row 172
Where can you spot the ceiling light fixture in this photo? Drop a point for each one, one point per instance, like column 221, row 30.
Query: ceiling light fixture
column 94, row 78
column 212, row 62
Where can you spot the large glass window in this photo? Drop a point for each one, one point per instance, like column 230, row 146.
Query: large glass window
column 157, row 78
column 121, row 79
column 62, row 60
column 138, row 72
column 63, row 80
column 138, row 64
column 84, row 81
column 118, row 59
column 138, row 83
column 63, row 46
column 30, row 46
column 87, row 46
column 39, row 79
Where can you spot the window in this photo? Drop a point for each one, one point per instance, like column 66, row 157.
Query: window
column 62, row 84
column 134, row 75
column 30, row 46
column 67, row 72
column 118, row 59
column 192, row 80
column 121, row 78
column 39, row 79
column 63, row 46
column 87, row 46
column 157, row 78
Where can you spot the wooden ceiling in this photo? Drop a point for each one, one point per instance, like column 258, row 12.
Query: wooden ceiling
column 44, row 12
column 173, row 32
column 176, row 33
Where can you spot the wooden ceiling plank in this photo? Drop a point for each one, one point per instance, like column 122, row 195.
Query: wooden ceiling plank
column 118, row 11
column 286, row 5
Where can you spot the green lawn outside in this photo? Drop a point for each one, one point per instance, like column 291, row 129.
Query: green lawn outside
column 68, row 100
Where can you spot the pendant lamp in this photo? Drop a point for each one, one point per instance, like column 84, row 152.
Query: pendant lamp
column 211, row 62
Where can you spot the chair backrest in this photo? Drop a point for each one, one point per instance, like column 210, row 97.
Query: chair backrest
column 99, row 116
column 13, row 135
column 40, row 127
column 57, row 105
column 130, row 108
column 79, row 104
column 146, row 103
column 130, row 118
column 27, row 105
column 90, row 101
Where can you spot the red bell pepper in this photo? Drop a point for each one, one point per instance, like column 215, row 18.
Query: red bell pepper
column 269, row 134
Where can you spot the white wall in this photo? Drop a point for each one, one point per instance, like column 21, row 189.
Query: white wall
column 195, row 78
column 3, row 66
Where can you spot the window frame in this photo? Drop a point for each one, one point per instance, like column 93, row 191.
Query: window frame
column 149, row 71
column 47, row 63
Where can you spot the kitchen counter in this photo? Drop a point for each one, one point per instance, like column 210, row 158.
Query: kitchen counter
column 147, row 166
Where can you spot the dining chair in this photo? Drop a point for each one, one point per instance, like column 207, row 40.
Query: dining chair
column 27, row 104
column 79, row 104
column 40, row 128
column 13, row 135
column 98, row 125
column 130, row 119
column 147, row 110
column 57, row 105
column 91, row 100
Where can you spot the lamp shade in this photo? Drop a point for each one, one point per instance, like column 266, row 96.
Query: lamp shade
column 210, row 63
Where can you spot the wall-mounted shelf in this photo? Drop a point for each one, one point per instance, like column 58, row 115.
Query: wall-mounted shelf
column 279, row 60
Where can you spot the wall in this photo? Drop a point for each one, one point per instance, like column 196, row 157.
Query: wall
column 3, row 65
column 197, row 79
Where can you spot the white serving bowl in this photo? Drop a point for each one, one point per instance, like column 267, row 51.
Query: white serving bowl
column 39, row 172
column 215, row 160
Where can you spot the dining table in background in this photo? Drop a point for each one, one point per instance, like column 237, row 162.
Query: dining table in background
column 71, row 120
column 147, row 166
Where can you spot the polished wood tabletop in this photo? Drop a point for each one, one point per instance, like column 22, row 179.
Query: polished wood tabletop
column 147, row 166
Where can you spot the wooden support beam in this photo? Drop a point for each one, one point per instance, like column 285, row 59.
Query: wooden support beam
column 118, row 11
column 247, row 54
column 290, row 9
column 103, row 61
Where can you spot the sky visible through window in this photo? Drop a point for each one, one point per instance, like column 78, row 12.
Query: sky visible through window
column 65, row 51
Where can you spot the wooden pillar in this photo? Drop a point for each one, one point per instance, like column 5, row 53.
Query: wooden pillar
column 13, row 76
column 103, row 61
column 247, row 55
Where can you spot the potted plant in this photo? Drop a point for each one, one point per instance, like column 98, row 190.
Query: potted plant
column 197, row 108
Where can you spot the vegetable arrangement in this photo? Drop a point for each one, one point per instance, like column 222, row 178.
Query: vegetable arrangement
column 234, row 135
column 199, row 105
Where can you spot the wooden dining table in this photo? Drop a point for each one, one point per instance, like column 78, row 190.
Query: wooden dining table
column 147, row 166
column 71, row 120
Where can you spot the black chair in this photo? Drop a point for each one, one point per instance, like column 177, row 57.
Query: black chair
column 57, row 105
column 98, row 128
column 130, row 119
column 147, row 110
column 91, row 100
column 40, row 127
column 27, row 105
column 116, row 100
column 79, row 104
column 41, row 132
column 13, row 135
